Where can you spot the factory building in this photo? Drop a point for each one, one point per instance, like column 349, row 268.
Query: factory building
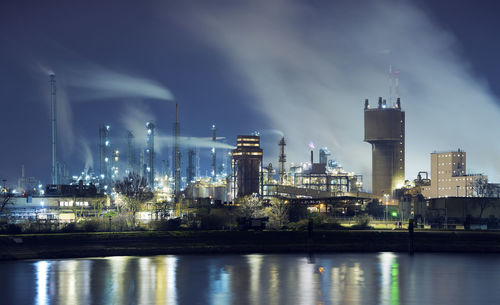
column 324, row 153
column 27, row 184
column 448, row 176
column 60, row 207
column 246, row 164
column 385, row 131
column 325, row 178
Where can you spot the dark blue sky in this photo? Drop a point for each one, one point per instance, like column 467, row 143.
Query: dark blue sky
column 158, row 41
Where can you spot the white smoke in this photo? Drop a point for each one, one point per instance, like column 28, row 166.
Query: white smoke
column 97, row 83
column 87, row 153
column 309, row 68
column 134, row 118
column 191, row 142
column 65, row 126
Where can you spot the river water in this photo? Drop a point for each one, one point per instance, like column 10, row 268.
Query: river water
column 373, row 278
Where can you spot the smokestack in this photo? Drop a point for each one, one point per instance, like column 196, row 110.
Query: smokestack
column 312, row 157
column 177, row 170
column 282, row 159
column 54, row 172
column 366, row 104
column 380, row 102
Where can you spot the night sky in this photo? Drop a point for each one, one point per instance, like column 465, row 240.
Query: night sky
column 298, row 68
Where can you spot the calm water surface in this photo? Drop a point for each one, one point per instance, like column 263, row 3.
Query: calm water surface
column 377, row 278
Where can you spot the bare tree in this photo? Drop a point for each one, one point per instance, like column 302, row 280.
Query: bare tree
column 5, row 199
column 250, row 206
column 161, row 208
column 278, row 211
column 135, row 193
column 483, row 191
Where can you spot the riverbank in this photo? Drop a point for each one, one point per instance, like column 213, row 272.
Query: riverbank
column 71, row 245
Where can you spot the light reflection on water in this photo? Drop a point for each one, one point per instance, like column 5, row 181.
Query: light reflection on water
column 42, row 270
column 383, row 278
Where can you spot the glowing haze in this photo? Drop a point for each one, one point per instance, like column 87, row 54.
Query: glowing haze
column 298, row 69
column 309, row 69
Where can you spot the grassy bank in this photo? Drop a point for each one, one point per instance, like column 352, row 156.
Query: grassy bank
column 65, row 245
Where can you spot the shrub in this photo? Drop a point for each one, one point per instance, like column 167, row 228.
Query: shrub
column 167, row 225
column 119, row 223
column 362, row 222
column 68, row 227
column 212, row 222
column 91, row 225
column 300, row 225
column 13, row 229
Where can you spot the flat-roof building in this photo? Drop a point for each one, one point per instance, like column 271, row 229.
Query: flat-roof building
column 448, row 176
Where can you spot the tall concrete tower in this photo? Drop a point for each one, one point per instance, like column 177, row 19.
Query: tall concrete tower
column 247, row 160
column 385, row 131
column 55, row 169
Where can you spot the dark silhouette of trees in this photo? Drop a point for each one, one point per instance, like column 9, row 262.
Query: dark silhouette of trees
column 483, row 191
column 135, row 193
column 5, row 199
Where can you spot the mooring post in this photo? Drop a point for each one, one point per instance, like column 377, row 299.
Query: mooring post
column 309, row 235
column 410, row 236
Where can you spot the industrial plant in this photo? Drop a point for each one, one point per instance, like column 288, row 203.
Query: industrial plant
column 319, row 183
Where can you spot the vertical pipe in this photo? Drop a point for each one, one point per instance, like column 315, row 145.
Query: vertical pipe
column 176, row 153
column 214, row 156
column 151, row 154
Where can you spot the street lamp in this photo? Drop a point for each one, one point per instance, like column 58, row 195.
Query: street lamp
column 386, row 198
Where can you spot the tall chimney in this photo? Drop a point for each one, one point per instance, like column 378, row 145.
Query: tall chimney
column 177, row 165
column 54, row 172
